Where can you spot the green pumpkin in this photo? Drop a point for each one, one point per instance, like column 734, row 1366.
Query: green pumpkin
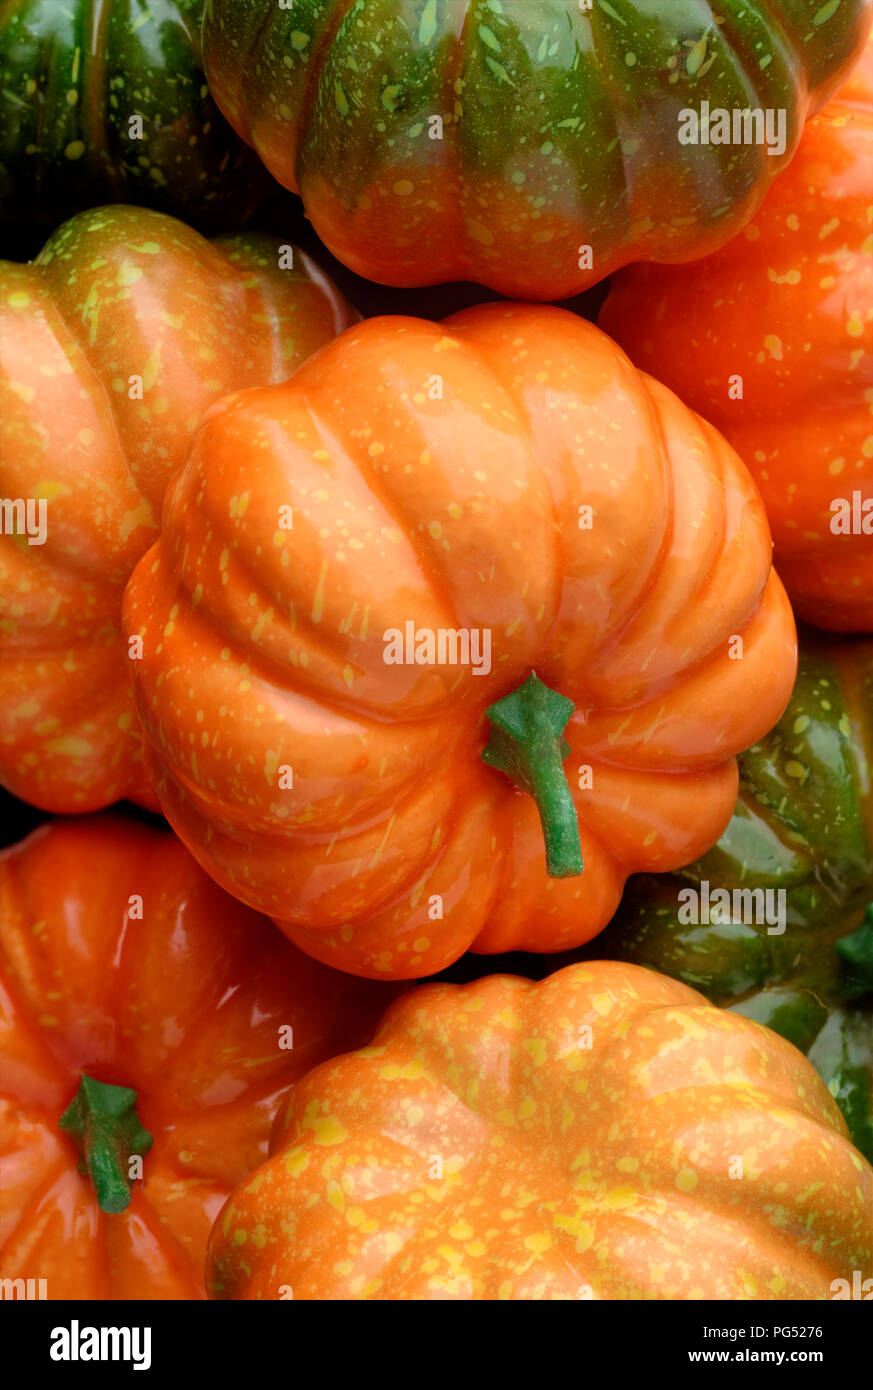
column 531, row 145
column 803, row 825
column 74, row 73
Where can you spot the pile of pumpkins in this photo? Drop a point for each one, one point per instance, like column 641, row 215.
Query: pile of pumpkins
column 489, row 695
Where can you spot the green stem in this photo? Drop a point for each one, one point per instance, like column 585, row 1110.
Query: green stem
column 103, row 1122
column 856, row 960
column 527, row 744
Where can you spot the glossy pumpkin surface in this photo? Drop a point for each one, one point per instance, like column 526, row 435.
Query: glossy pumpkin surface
column 577, row 1138
column 530, row 145
column 112, row 343
column 120, row 958
column 803, row 826
column 508, row 474
column 787, row 308
column 106, row 101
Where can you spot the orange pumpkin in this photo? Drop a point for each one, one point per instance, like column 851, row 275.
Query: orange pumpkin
column 532, row 145
column 112, row 343
column 604, row 1134
column 786, row 309
column 121, row 960
column 469, row 504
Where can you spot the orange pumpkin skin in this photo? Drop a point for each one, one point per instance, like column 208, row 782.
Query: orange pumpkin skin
column 576, row 1138
column 118, row 296
column 184, row 1005
column 787, row 306
column 263, row 649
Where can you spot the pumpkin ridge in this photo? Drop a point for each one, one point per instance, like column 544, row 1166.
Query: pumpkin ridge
column 89, row 356
column 51, row 309
column 24, row 1019
column 435, row 580
column 773, row 815
column 730, row 467
column 250, row 59
column 795, row 1256
column 614, row 133
column 481, row 359
column 48, row 1193
column 284, row 675
column 94, row 55
column 341, row 11
column 54, row 1176
column 614, row 637
column 749, row 62
column 173, row 1251
column 453, row 162
column 279, row 831
column 176, row 1259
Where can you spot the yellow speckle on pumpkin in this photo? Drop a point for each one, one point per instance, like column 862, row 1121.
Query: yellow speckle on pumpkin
column 477, row 231
column 71, row 747
column 412, row 1071
column 128, row 274
column 461, row 1230
column 328, row 1130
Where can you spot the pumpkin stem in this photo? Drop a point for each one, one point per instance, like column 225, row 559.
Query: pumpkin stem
column 103, row 1122
column 527, row 744
column 856, row 960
